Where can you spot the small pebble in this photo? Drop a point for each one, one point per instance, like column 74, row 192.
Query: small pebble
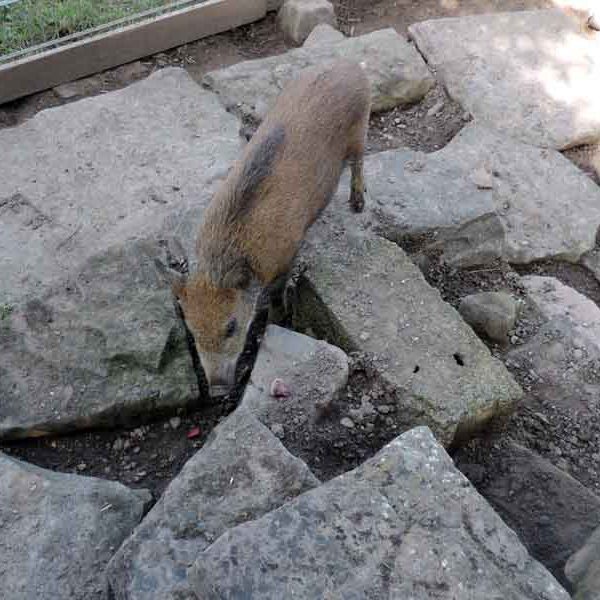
column 175, row 422
column 279, row 389
column 347, row 422
column 278, row 431
column 81, row 466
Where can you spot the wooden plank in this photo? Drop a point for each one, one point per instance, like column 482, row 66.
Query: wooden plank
column 92, row 55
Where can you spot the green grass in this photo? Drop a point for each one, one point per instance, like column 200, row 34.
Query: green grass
column 30, row 22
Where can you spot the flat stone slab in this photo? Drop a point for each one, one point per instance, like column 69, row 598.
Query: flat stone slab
column 397, row 73
column 100, row 349
column 565, row 354
column 312, row 371
column 583, row 569
column 405, row 524
column 363, row 293
column 486, row 196
column 79, row 178
column 550, row 511
column 240, row 474
column 58, row 531
column 532, row 75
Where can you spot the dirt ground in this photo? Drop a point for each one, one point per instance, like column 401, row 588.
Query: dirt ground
column 151, row 454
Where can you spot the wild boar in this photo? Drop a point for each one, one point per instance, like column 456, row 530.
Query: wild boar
column 256, row 221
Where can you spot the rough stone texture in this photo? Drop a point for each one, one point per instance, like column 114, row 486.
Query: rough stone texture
column 554, row 513
column 397, row 73
column 240, row 474
column 104, row 346
column 58, row 531
column 405, row 524
column 492, row 314
column 322, row 35
column 363, row 293
column 314, row 372
column 565, row 354
column 297, row 18
column 583, row 569
column 532, row 75
column 94, row 173
column 485, row 196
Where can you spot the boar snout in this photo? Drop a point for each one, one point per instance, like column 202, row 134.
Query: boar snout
column 220, row 373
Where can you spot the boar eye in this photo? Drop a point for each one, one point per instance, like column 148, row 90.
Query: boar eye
column 231, row 327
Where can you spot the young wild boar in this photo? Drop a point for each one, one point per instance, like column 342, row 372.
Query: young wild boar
column 257, row 219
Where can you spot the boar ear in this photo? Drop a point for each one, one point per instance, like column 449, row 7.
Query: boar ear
column 239, row 275
column 174, row 278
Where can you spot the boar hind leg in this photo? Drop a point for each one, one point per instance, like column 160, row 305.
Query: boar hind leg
column 357, row 185
column 356, row 155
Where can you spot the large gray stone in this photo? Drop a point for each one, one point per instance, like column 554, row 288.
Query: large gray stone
column 79, row 178
column 532, row 75
column 564, row 355
column 103, row 347
column 363, row 293
column 583, row 569
column 58, row 531
column 405, row 524
column 551, row 512
column 241, row 473
column 397, row 73
column 485, row 196
column 313, row 372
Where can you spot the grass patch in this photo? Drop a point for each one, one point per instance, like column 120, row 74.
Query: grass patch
column 30, row 22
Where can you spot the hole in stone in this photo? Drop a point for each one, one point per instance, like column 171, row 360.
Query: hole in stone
column 416, row 369
column 458, row 357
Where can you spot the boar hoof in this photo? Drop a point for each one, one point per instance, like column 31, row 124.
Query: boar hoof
column 357, row 201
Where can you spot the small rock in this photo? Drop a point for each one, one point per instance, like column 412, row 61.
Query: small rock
column 278, row 431
column 435, row 109
column 490, row 313
column 384, row 409
column 347, row 422
column 279, row 389
column 297, row 18
column 118, row 445
column 175, row 422
column 81, row 466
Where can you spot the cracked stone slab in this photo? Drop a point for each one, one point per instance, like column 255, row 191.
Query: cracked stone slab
column 397, row 73
column 532, row 75
column 583, row 569
column 100, row 349
column 401, row 525
column 362, row 293
column 312, row 371
column 485, row 196
column 240, row 474
column 551, row 512
column 58, row 531
column 564, row 356
column 79, row 178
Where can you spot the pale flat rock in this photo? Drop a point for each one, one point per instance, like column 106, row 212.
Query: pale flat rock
column 583, row 569
column 79, row 178
column 397, row 73
column 322, row 35
column 240, row 474
column 363, row 293
column 405, row 524
column 58, row 531
column 532, row 75
column 550, row 511
column 486, row 196
column 312, row 371
column 103, row 348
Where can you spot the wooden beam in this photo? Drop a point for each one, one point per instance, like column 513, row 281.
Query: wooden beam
column 44, row 70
